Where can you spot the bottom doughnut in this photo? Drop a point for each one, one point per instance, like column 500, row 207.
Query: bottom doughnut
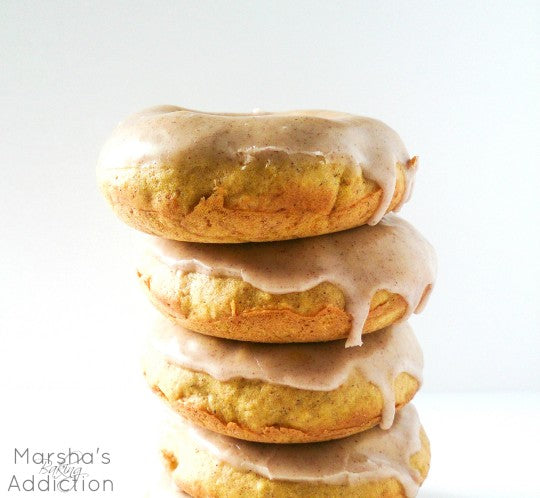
column 373, row 464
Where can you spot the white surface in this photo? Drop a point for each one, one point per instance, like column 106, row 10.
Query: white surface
column 483, row 445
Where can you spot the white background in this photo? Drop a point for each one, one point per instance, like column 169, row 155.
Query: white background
column 458, row 80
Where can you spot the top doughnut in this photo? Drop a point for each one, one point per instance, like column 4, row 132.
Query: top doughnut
column 203, row 177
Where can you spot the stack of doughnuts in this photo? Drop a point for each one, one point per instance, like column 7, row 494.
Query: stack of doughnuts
column 284, row 283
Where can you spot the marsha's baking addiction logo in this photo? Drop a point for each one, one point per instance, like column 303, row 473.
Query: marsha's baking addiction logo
column 65, row 471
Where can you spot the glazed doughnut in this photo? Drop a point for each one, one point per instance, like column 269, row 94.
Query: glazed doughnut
column 284, row 393
column 372, row 464
column 305, row 290
column 202, row 177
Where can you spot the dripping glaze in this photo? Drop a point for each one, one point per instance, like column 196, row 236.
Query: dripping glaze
column 390, row 256
column 311, row 366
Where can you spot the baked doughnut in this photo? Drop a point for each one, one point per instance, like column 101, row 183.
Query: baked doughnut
column 202, row 177
column 373, row 464
column 304, row 290
column 284, row 393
